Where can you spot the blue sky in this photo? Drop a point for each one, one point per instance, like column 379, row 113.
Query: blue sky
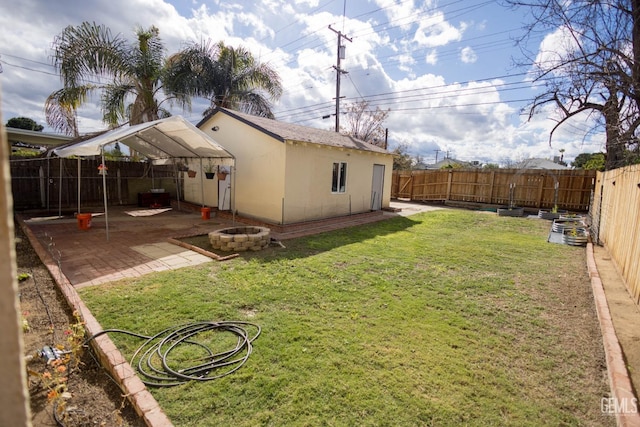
column 444, row 69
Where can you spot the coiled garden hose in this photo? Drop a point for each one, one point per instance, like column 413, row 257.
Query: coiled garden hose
column 177, row 355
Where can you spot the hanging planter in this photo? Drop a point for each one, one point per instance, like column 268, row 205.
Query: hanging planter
column 102, row 169
column 191, row 174
column 209, row 170
column 222, row 174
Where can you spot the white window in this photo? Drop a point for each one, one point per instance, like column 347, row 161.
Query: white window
column 339, row 181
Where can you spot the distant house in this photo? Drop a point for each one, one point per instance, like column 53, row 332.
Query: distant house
column 540, row 164
column 22, row 138
column 286, row 173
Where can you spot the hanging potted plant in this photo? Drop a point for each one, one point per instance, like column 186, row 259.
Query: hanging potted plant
column 222, row 173
column 102, row 169
column 209, row 171
column 191, row 173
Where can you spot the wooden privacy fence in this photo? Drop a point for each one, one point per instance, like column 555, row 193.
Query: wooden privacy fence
column 39, row 183
column 528, row 188
column 615, row 217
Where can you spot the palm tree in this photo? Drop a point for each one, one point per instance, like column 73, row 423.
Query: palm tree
column 229, row 77
column 90, row 59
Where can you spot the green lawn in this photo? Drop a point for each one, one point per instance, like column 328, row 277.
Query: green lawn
column 443, row 318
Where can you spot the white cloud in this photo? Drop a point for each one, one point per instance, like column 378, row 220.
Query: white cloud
column 397, row 59
column 399, row 12
column 437, row 31
column 554, row 48
column 431, row 57
column 468, row 56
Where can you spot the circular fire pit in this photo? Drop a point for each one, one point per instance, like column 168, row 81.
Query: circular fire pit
column 240, row 239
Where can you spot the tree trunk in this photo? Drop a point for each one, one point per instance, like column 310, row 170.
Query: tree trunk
column 615, row 146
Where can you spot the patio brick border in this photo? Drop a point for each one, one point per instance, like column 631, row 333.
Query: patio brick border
column 110, row 357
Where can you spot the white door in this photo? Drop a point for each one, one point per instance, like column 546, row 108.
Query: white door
column 224, row 193
column 376, row 187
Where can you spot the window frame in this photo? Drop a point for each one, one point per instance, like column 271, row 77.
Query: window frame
column 338, row 177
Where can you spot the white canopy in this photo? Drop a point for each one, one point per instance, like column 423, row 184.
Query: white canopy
column 160, row 140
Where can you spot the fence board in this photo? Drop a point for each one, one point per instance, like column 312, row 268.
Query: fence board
column 530, row 188
column 616, row 221
column 49, row 183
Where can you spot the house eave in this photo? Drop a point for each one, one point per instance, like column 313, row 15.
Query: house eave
column 242, row 120
column 36, row 138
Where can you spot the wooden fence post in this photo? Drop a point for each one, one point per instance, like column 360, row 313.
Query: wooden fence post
column 540, row 190
column 412, row 182
column 493, row 178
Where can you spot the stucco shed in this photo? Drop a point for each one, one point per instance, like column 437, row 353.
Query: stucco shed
column 287, row 173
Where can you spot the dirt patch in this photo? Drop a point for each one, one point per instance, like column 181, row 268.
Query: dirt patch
column 89, row 397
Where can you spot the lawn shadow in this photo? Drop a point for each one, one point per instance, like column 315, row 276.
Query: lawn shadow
column 302, row 247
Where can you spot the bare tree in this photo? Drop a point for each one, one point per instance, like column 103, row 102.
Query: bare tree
column 401, row 158
column 366, row 124
column 593, row 68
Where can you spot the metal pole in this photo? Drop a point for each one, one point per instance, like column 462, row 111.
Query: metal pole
column 119, row 186
column 232, row 192
column 104, row 193
column 232, row 195
column 48, row 183
column 60, row 190
column 177, row 176
column 79, row 167
column 42, row 187
column 201, row 183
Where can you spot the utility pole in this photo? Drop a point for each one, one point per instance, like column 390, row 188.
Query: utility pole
column 437, row 151
column 341, row 50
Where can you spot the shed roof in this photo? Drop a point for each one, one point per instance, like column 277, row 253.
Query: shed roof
column 291, row 132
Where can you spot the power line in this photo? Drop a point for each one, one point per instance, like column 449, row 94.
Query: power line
column 391, row 97
column 422, row 94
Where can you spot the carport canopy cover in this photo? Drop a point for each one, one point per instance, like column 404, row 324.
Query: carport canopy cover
column 159, row 140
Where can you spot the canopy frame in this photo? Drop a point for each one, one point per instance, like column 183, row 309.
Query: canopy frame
column 160, row 140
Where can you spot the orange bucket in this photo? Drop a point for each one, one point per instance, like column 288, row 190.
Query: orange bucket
column 206, row 213
column 84, row 221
